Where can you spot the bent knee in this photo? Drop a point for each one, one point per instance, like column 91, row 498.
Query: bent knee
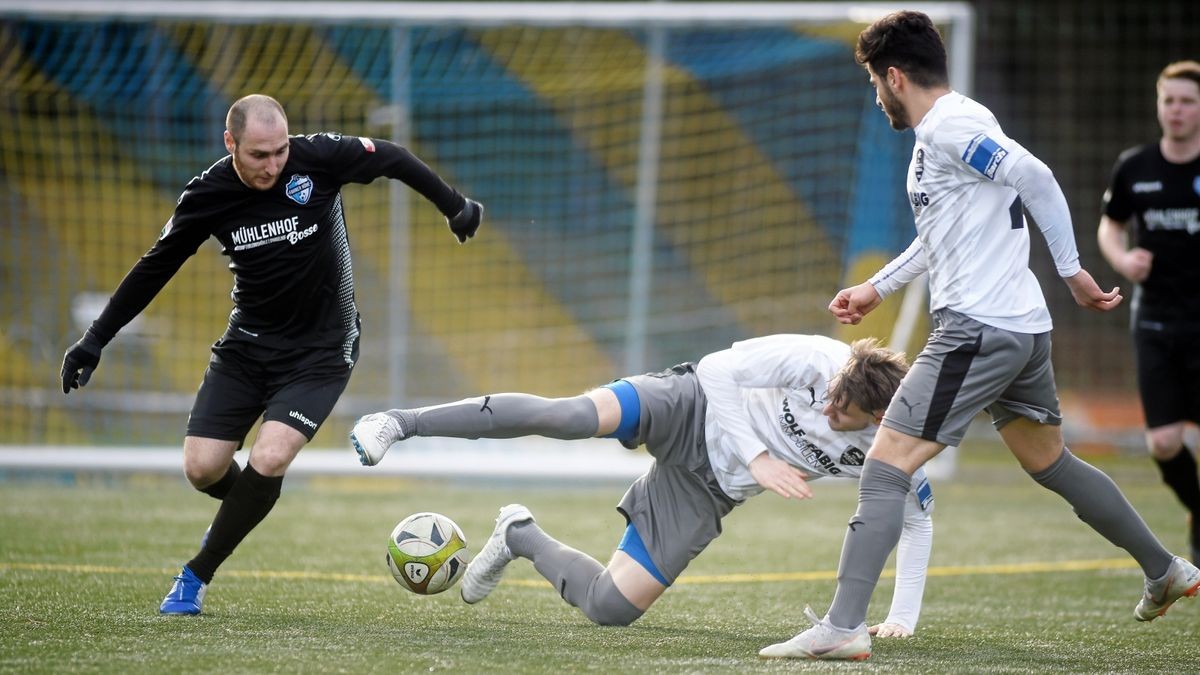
column 607, row 606
column 202, row 473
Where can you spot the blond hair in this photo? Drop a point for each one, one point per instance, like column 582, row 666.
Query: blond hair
column 1180, row 70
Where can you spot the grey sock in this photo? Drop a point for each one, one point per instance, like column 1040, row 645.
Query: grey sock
column 508, row 416
column 1098, row 502
column 579, row 578
column 407, row 420
column 873, row 532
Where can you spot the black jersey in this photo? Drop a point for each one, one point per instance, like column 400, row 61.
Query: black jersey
column 1163, row 200
column 288, row 247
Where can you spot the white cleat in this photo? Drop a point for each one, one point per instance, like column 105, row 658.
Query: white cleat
column 484, row 571
column 1182, row 580
column 823, row 641
column 373, row 434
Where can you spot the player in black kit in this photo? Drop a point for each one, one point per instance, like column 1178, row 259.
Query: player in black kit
column 1156, row 187
column 275, row 205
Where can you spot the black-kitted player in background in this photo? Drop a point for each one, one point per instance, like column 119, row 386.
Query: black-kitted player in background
column 275, row 205
column 1156, row 187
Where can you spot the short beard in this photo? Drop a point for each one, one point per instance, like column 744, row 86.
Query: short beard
column 895, row 112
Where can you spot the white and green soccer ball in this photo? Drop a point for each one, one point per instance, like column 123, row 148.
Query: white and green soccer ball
column 427, row 553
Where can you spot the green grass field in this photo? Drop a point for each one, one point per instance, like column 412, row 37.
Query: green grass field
column 1018, row 584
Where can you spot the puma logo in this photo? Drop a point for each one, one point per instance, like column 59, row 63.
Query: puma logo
column 813, row 393
column 486, row 406
column 908, row 405
column 853, row 523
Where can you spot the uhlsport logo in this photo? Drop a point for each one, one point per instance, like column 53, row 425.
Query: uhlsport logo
column 296, row 414
column 299, row 188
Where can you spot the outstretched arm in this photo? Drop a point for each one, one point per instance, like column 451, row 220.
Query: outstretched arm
column 850, row 305
column 764, row 362
column 362, row 160
column 1043, row 198
column 140, row 285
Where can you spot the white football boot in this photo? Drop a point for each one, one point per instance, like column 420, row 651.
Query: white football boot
column 1181, row 580
column 823, row 641
column 373, row 434
column 485, row 569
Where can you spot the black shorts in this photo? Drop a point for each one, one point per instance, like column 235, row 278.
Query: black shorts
column 297, row 387
column 1168, row 366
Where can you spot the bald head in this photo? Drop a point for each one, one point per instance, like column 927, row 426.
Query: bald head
column 257, row 109
column 256, row 136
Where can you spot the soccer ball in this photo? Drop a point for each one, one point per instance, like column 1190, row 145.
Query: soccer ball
column 427, row 553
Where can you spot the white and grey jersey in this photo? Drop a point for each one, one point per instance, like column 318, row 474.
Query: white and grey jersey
column 768, row 394
column 971, row 231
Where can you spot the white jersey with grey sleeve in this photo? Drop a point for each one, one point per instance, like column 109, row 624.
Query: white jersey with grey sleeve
column 967, row 183
column 767, row 394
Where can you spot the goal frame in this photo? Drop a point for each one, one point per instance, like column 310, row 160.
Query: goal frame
column 653, row 17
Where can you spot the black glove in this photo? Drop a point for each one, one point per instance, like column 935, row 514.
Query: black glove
column 80, row 360
column 467, row 221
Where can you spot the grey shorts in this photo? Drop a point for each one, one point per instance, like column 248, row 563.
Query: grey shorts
column 967, row 367
column 677, row 506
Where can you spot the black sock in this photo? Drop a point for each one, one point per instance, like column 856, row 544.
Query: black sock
column 1179, row 473
column 224, row 484
column 248, row 502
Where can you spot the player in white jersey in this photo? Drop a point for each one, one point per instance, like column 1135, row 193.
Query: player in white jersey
column 967, row 184
column 770, row 413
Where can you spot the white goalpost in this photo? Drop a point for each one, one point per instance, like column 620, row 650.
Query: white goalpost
column 661, row 179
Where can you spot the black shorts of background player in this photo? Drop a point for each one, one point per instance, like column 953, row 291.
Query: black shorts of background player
column 1155, row 188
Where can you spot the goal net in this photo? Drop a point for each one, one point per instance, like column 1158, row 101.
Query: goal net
column 660, row 179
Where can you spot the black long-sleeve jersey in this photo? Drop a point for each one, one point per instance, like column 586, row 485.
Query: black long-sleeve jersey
column 1163, row 199
column 287, row 246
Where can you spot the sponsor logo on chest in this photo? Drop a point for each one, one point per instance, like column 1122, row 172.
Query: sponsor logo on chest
column 810, row 452
column 287, row 229
column 1172, row 219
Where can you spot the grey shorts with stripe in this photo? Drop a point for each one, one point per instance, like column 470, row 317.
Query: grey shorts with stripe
column 966, row 367
column 677, row 505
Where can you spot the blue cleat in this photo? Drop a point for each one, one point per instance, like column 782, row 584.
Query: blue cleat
column 186, row 595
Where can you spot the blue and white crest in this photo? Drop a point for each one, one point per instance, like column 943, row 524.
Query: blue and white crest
column 1196, row 184
column 299, row 188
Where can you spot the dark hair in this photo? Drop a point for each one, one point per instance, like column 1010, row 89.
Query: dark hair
column 906, row 40
column 870, row 378
column 1180, row 70
column 258, row 105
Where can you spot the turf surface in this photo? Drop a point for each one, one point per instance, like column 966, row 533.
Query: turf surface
column 1018, row 584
